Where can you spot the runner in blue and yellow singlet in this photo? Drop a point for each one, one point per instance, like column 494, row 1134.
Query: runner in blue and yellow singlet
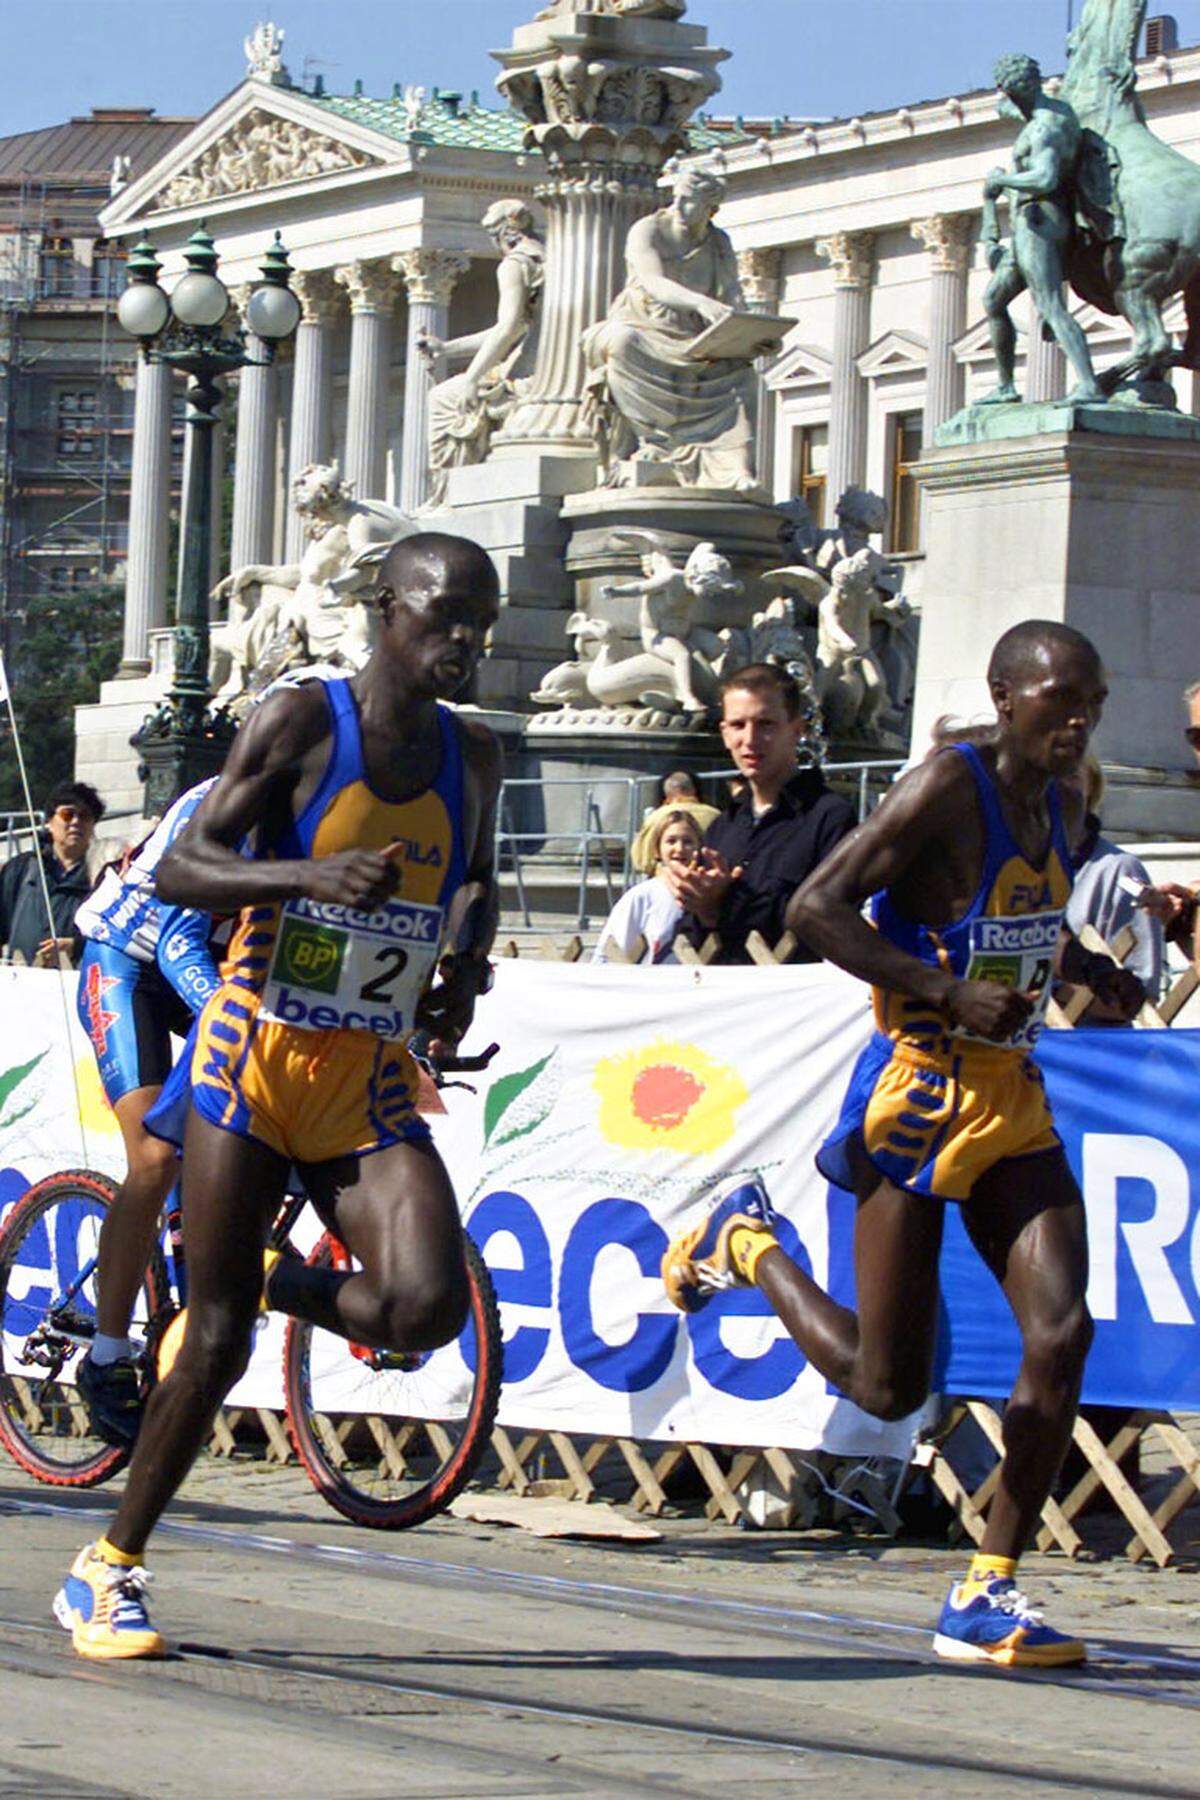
column 967, row 865
column 372, row 812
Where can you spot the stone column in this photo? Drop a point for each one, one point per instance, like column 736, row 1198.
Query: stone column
column 312, row 387
column 760, row 273
column 1045, row 364
column 607, row 98
column 950, row 241
column 850, row 255
column 254, row 456
column 149, row 504
column 372, row 290
column 429, row 277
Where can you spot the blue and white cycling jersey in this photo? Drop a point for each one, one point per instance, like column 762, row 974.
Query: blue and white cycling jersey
column 125, row 915
column 123, row 911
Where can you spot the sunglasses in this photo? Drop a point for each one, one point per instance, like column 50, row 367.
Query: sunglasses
column 1192, row 734
column 71, row 815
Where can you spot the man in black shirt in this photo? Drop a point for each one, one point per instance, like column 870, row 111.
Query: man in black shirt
column 771, row 838
column 74, row 811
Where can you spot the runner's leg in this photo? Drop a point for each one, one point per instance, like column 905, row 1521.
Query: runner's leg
column 127, row 1234
column 880, row 1356
column 1026, row 1220
column 232, row 1188
column 395, row 1211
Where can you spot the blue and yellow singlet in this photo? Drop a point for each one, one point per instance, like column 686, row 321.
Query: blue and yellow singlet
column 303, row 1047
column 934, row 1107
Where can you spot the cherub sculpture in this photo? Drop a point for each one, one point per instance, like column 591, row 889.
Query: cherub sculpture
column 851, row 684
column 676, row 669
column 283, row 617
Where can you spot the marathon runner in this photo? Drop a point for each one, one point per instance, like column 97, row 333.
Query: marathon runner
column 969, row 864
column 147, row 969
column 374, row 807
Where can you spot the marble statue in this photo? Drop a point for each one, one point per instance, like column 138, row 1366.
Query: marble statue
column 851, row 684
column 264, row 53
column 855, row 594
column 677, row 668
column 465, row 409
column 647, row 396
column 1041, row 189
column 315, row 610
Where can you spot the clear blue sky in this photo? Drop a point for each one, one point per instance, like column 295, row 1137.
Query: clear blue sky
column 801, row 57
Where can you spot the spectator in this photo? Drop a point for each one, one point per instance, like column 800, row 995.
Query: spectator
column 1192, row 730
column 679, row 785
column 650, row 910
column 772, row 836
column 1106, row 896
column 644, row 850
column 75, row 809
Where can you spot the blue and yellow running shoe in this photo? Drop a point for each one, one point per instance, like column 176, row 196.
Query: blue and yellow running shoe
column 996, row 1624
column 103, row 1606
column 698, row 1264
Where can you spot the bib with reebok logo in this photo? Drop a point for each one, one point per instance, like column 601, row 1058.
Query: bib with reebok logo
column 1018, row 951
column 338, row 969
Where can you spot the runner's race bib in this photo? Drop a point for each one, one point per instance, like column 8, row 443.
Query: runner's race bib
column 1020, row 952
column 338, row 969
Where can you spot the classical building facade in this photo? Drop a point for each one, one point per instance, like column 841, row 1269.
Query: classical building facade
column 865, row 230
column 66, row 371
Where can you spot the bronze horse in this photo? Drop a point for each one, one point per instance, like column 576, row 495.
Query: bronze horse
column 1137, row 200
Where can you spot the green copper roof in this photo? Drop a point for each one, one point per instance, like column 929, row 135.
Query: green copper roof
column 449, row 120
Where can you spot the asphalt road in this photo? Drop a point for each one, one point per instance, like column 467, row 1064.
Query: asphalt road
column 312, row 1658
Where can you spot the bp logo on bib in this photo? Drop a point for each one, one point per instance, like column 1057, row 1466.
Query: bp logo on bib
column 310, row 955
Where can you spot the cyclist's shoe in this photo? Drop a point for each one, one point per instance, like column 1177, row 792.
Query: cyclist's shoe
column 104, row 1608
column 115, row 1398
column 698, row 1262
column 996, row 1624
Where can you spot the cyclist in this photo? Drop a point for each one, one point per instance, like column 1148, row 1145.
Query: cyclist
column 374, row 807
column 147, row 969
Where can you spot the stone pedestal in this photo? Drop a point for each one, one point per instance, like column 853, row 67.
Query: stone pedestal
column 512, row 506
column 1083, row 514
column 745, row 532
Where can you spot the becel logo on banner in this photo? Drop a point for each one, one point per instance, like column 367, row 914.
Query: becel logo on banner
column 310, row 955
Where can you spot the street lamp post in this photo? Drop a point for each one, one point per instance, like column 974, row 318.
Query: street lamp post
column 183, row 741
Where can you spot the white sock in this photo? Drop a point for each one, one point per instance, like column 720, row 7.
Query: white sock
column 110, row 1349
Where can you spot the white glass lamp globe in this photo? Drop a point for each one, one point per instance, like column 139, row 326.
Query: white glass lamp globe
column 200, row 300
column 142, row 309
column 272, row 312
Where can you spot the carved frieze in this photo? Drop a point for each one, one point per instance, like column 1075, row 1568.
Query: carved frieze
column 260, row 151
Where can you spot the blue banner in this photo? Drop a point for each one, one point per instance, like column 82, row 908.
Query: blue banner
column 1127, row 1106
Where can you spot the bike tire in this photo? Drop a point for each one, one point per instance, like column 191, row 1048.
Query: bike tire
column 342, row 1452
column 48, row 1434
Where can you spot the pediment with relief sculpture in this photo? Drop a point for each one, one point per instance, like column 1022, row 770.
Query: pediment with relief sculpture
column 262, row 150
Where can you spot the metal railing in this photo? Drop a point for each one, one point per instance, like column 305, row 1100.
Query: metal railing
column 599, row 839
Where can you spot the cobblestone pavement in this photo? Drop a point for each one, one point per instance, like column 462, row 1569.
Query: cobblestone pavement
column 461, row 1660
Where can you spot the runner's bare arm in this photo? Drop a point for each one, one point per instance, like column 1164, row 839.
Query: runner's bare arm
column 265, row 767
column 922, row 813
column 447, row 1010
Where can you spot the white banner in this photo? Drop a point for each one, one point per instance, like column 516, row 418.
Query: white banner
column 620, row 1096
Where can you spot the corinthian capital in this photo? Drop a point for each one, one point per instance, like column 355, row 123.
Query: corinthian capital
column 949, row 239
column 370, row 285
column 430, row 275
column 759, row 272
column 318, row 297
column 851, row 256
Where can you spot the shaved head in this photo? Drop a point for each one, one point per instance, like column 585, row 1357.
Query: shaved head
column 1027, row 649
column 434, row 558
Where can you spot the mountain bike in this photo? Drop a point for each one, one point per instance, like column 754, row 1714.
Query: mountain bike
column 387, row 1438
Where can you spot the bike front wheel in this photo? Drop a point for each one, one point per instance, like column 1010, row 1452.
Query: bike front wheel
column 49, row 1249
column 388, row 1439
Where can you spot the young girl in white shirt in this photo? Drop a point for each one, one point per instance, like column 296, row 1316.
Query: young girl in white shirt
column 649, row 910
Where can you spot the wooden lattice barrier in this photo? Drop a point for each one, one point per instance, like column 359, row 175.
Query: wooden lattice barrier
column 782, row 1488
